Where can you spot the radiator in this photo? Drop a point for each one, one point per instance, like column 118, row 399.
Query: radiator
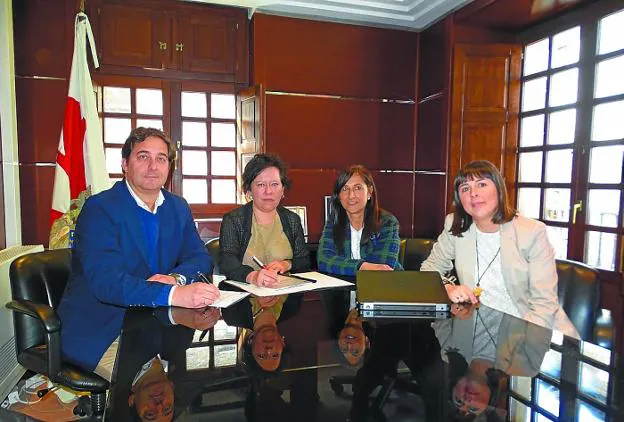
column 10, row 370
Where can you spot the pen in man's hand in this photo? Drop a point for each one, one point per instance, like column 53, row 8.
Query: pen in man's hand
column 203, row 278
column 257, row 261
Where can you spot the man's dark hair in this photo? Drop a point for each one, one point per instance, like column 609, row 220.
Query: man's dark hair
column 140, row 134
column 480, row 169
column 258, row 164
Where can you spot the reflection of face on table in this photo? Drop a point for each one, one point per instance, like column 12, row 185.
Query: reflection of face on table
column 352, row 341
column 152, row 394
column 267, row 344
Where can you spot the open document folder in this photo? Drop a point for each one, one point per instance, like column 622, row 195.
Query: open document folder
column 227, row 298
column 291, row 285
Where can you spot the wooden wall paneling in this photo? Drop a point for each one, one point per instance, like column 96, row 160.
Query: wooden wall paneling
column 309, row 188
column 429, row 199
column 434, row 61
column 484, row 121
column 396, row 194
column 36, row 184
column 480, row 35
column 250, row 136
column 43, row 37
column 209, row 43
column 2, row 214
column 298, row 55
column 316, row 132
column 432, row 134
column 39, row 122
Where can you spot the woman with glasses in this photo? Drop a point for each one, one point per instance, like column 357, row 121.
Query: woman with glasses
column 358, row 234
column 262, row 239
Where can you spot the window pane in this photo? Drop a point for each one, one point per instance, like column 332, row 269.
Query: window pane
column 594, row 382
column 608, row 79
column 597, row 353
column 194, row 134
column 600, row 250
column 222, row 331
column 603, row 207
column 197, row 358
column 551, row 365
column 195, row 163
column 534, row 94
column 529, row 202
column 559, row 166
column 605, row 164
column 563, row 88
column 557, row 204
column 536, row 57
column 566, row 47
column 225, row 355
column 610, row 33
column 608, row 123
column 561, row 127
column 223, row 135
column 223, row 106
column 521, row 386
column 223, row 163
column 116, row 100
column 158, row 124
column 195, row 191
column 558, row 238
column 532, row 131
column 518, row 411
column 149, row 101
column 223, row 191
column 113, row 160
column 547, row 396
column 588, row 413
column 530, row 167
column 116, row 130
column 194, row 104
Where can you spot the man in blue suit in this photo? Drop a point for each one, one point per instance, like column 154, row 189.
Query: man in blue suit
column 135, row 245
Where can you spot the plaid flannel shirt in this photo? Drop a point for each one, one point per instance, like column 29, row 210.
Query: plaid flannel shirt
column 380, row 248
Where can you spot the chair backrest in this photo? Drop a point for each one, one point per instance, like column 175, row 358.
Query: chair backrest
column 416, row 250
column 213, row 249
column 579, row 294
column 40, row 277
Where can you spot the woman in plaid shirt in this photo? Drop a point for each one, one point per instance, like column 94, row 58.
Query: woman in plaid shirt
column 358, row 235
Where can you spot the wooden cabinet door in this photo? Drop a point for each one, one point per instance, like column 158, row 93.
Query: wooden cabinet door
column 484, row 111
column 250, row 128
column 133, row 36
column 207, row 43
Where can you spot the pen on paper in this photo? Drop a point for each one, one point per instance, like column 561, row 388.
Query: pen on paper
column 298, row 277
column 257, row 261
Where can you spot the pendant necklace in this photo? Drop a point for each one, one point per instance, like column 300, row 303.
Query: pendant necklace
column 478, row 290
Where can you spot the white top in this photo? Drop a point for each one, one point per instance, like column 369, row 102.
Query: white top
column 494, row 294
column 356, row 237
column 140, row 203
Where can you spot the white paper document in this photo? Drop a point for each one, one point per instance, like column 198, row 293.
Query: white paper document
column 322, row 282
column 227, row 298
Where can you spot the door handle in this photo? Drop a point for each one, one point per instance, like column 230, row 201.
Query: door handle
column 577, row 207
column 162, row 45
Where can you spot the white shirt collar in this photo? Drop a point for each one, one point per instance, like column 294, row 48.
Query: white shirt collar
column 140, row 203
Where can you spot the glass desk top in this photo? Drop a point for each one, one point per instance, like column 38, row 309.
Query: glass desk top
column 312, row 358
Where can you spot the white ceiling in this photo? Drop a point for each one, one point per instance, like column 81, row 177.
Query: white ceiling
column 412, row 15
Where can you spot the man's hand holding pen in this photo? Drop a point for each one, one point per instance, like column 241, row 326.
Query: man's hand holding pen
column 196, row 295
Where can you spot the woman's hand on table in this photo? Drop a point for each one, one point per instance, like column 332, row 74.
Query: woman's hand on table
column 280, row 267
column 460, row 293
column 369, row 266
column 263, row 277
column 462, row 310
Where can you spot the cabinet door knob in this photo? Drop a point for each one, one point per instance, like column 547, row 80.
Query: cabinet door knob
column 162, row 45
column 179, row 46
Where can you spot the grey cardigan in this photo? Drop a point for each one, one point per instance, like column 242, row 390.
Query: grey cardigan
column 236, row 233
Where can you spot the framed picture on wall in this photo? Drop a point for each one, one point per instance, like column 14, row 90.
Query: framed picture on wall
column 328, row 207
column 303, row 215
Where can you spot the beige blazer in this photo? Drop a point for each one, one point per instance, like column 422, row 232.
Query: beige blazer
column 528, row 267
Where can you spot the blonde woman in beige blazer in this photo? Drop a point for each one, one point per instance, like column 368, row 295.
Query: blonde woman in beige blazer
column 519, row 274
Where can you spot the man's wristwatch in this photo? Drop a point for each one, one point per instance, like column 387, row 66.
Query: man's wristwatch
column 179, row 278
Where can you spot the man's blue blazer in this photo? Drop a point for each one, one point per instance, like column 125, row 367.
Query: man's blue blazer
column 110, row 268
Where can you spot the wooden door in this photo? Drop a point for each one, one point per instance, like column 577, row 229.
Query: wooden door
column 207, row 42
column 133, row 36
column 250, row 133
column 484, row 110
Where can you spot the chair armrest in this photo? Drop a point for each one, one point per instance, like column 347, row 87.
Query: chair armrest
column 44, row 313
column 604, row 332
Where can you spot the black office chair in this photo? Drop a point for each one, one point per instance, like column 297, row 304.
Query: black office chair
column 414, row 251
column 213, row 249
column 38, row 281
column 579, row 296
